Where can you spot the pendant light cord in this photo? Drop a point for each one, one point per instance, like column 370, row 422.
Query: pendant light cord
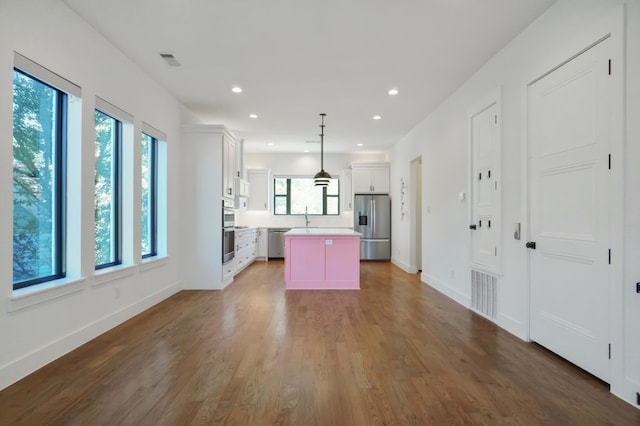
column 322, row 142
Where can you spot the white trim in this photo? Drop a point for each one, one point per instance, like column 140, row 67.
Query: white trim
column 207, row 129
column 153, row 132
column 400, row 264
column 113, row 111
column 106, row 275
column 446, row 289
column 42, row 293
column 513, row 326
column 32, row 68
column 30, row 362
column 153, row 262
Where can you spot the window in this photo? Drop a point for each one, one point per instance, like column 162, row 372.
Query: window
column 39, row 142
column 107, row 212
column 149, row 196
column 300, row 196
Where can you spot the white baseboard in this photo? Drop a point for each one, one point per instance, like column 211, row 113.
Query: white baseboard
column 446, row 289
column 400, row 264
column 28, row 363
column 626, row 389
column 513, row 326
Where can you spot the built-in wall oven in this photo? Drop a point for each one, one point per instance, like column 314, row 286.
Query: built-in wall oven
column 228, row 231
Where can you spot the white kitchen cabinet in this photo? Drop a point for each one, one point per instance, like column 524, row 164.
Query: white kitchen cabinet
column 262, row 250
column 246, row 247
column 346, row 190
column 260, row 183
column 202, row 163
column 228, row 166
column 370, row 178
column 242, row 187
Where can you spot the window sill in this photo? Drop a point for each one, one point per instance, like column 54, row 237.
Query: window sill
column 153, row 262
column 106, row 275
column 41, row 293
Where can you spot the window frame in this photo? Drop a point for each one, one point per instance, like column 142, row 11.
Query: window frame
column 287, row 197
column 153, row 202
column 117, row 194
column 59, row 188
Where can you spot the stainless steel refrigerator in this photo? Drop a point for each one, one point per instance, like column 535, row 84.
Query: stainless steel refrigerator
column 372, row 218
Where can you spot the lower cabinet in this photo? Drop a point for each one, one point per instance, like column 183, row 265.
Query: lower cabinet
column 262, row 250
column 246, row 248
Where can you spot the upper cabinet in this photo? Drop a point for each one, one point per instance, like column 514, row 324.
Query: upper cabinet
column 370, row 178
column 228, row 166
column 260, row 184
column 346, row 190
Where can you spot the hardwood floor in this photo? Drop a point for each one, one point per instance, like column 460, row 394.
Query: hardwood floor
column 395, row 352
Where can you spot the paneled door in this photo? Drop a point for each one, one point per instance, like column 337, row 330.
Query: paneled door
column 485, row 202
column 568, row 142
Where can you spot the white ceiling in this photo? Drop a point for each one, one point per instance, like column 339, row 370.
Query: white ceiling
column 297, row 58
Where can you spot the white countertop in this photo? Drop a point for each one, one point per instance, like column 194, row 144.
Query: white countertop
column 323, row 231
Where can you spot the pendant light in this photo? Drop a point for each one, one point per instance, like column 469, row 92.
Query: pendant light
column 322, row 178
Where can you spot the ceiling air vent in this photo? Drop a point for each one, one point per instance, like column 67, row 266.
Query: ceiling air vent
column 170, row 59
column 312, row 141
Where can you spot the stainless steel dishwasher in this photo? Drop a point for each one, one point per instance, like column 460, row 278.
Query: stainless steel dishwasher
column 276, row 243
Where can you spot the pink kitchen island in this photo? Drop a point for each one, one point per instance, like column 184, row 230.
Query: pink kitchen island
column 322, row 259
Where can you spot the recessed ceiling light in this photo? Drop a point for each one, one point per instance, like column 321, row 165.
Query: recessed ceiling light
column 236, row 89
column 270, row 144
column 253, row 115
column 360, row 144
column 377, row 117
column 306, row 150
column 393, row 92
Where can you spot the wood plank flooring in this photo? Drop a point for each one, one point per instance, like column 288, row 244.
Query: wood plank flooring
column 394, row 353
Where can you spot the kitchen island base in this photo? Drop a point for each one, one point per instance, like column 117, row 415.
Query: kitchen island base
column 322, row 259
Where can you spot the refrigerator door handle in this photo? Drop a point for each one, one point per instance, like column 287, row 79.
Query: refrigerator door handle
column 373, row 215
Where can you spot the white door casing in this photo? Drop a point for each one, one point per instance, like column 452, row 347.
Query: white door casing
column 569, row 122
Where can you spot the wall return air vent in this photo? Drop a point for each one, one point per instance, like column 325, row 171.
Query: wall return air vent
column 170, row 59
column 484, row 294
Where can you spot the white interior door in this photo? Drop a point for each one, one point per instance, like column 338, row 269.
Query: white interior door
column 568, row 139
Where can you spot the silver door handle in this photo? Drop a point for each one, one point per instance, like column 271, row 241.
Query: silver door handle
column 373, row 213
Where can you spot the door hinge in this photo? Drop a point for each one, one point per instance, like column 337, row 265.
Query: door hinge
column 609, row 350
column 609, row 256
column 609, row 66
column 609, row 161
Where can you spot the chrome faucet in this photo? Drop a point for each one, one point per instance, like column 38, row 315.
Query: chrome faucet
column 306, row 217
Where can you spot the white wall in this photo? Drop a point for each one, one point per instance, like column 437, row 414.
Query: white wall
column 50, row 34
column 300, row 165
column 442, row 141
